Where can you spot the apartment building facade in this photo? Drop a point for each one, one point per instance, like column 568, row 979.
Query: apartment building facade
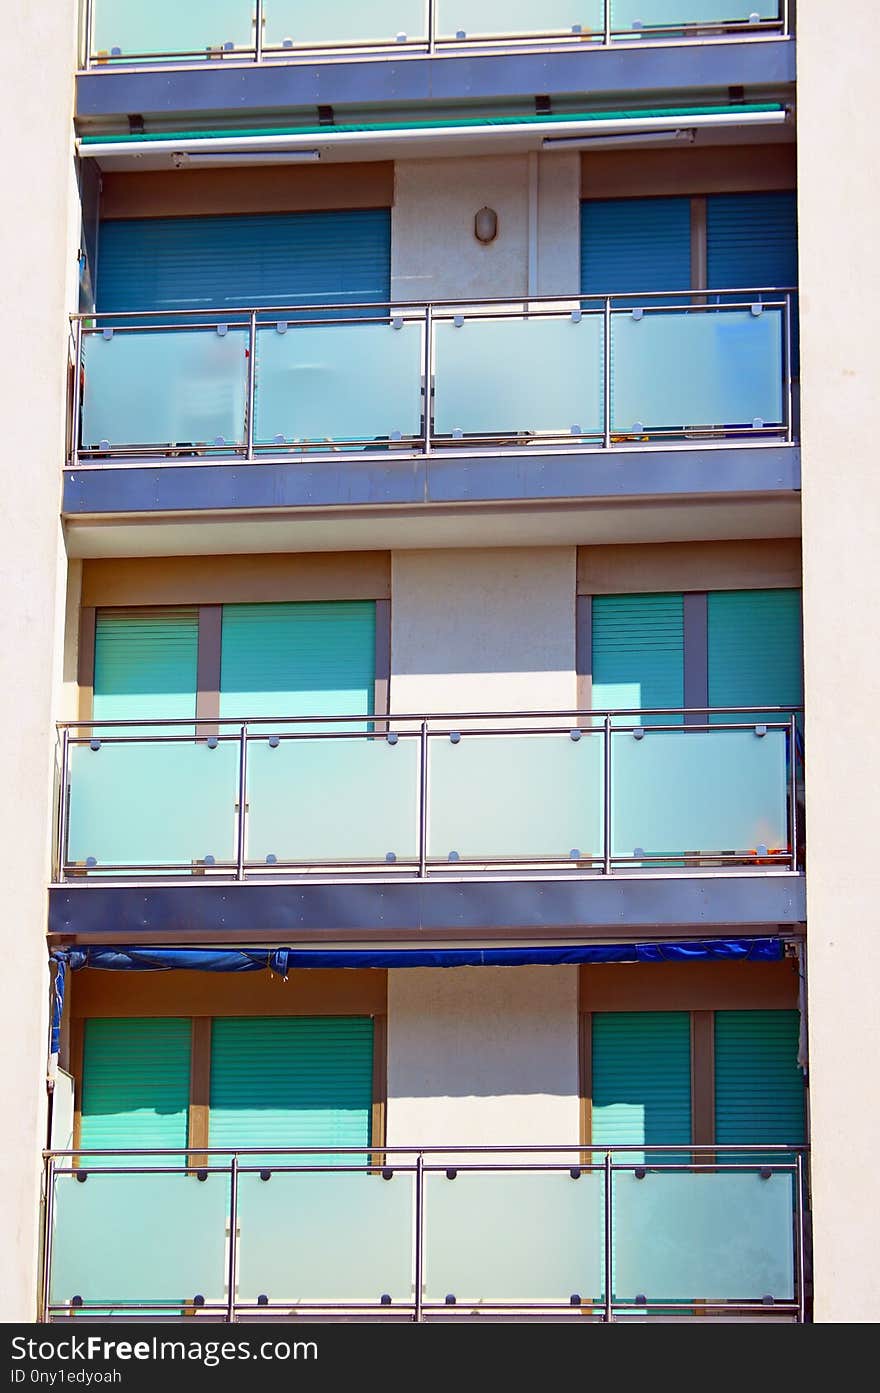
column 440, row 890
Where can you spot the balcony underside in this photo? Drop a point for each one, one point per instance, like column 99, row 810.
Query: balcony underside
column 404, row 913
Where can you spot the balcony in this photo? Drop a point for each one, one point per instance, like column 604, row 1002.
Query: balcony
column 118, row 32
column 608, row 794
column 416, row 1235
column 588, row 397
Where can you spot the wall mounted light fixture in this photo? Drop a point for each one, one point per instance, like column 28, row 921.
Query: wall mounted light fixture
column 486, row 225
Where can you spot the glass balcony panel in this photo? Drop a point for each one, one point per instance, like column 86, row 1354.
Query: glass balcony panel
column 499, row 1236
column 152, row 803
column 678, row 370
column 340, row 1236
column 181, row 388
column 701, row 1236
column 652, row 14
column 519, row 376
column 126, row 1238
column 333, row 800
column 293, row 24
column 510, row 17
column 520, row 796
column 166, row 26
column 698, row 791
column 338, row 382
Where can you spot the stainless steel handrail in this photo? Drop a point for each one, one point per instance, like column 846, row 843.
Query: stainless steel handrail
column 380, row 1160
column 433, row 42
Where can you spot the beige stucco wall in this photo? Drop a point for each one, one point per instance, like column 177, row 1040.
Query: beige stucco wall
column 482, row 1056
column 38, row 255
column 434, row 253
column 483, row 630
column 840, row 370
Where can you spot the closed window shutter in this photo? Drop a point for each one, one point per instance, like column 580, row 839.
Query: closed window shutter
column 298, row 659
column 291, row 1081
column 146, row 663
column 641, row 1078
column 751, row 240
column 135, row 1087
column 635, row 244
column 215, row 263
column 755, row 648
column 759, row 1087
column 638, row 653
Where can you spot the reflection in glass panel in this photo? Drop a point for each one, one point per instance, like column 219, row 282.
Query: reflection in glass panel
column 475, row 17
column 647, row 14
column 166, row 26
column 293, row 23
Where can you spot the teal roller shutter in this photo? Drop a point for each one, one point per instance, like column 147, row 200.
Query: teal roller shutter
column 759, row 1088
column 751, row 239
column 641, row 1078
column 755, row 648
column 214, row 263
column 291, row 1081
column 634, row 244
column 135, row 1088
column 146, row 664
column 638, row 652
column 298, row 659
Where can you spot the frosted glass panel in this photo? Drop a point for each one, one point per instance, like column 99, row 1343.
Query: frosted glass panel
column 343, row 21
column 165, row 387
column 675, row 369
column 475, row 17
column 139, row 1238
column 326, row 1237
column 498, row 376
column 682, row 1237
column 709, row 791
column 520, row 796
column 319, row 800
column 330, row 382
column 506, row 1237
column 156, row 802
column 645, row 13
column 167, row 26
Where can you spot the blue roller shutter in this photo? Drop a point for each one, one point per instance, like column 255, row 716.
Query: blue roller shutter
column 214, row 263
column 638, row 652
column 299, row 658
column 759, row 1088
column 135, row 1086
column 751, row 239
column 641, row 1078
column 291, row 1081
column 635, row 244
column 755, row 648
column 146, row 663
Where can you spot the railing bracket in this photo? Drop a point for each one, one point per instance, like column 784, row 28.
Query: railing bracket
column 640, row 1172
column 265, row 1175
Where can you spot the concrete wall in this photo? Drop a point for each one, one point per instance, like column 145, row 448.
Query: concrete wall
column 840, row 367
column 434, row 253
column 38, row 240
column 483, row 630
column 482, row 1056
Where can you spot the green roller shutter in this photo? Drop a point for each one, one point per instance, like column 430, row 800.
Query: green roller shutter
column 641, row 1078
column 298, row 659
column 759, row 1087
column 146, row 663
column 135, row 1085
column 291, row 1081
column 638, row 652
column 755, row 648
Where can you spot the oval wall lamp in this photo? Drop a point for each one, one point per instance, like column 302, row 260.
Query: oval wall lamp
column 486, row 225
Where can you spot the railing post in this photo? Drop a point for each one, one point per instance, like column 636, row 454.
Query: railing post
column 606, row 797
column 62, row 803
column 89, row 25
column 606, row 373
column 793, row 790
column 423, row 800
column 799, row 1237
column 242, row 805
column 419, row 1237
column 789, row 385
column 251, row 382
column 786, row 19
column 609, row 1243
column 76, row 401
column 429, row 374
column 258, row 32
column 233, row 1238
column 432, row 24
column 48, row 1218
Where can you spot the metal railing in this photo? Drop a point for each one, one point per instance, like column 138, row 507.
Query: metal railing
column 363, row 380
column 577, row 792
column 421, row 1233
column 258, row 29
